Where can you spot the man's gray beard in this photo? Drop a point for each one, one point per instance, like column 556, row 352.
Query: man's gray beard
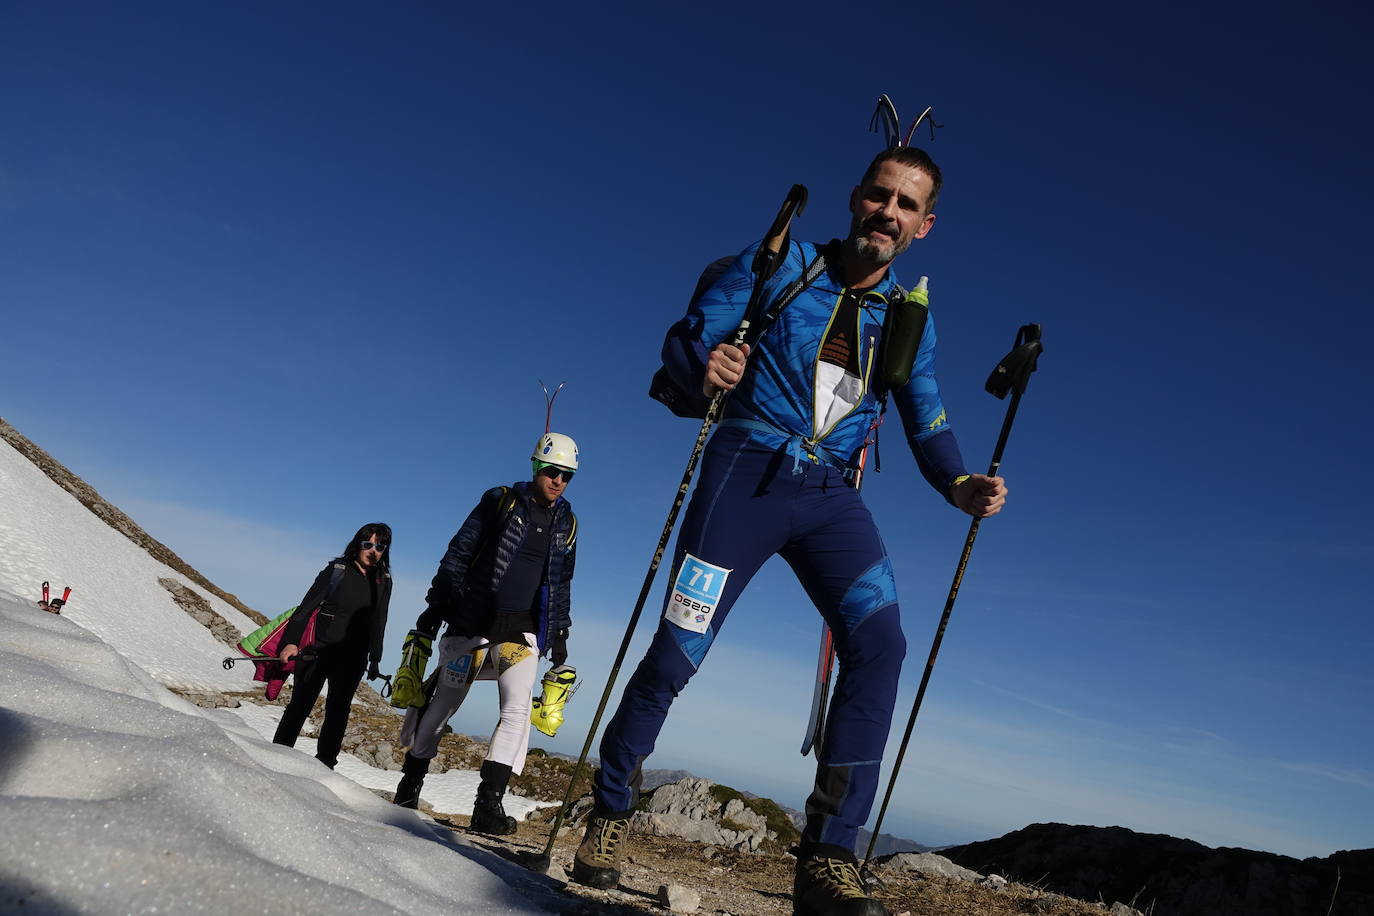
column 871, row 251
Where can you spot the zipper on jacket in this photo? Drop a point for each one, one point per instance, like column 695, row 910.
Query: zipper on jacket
column 811, row 443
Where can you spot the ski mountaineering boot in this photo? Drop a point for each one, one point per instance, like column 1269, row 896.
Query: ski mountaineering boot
column 597, row 862
column 488, row 815
column 828, row 884
column 413, row 772
column 546, row 711
column 408, row 687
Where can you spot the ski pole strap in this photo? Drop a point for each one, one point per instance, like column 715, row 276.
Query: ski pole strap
column 801, row 449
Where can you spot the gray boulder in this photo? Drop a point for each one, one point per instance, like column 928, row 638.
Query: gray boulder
column 927, row 863
column 689, row 810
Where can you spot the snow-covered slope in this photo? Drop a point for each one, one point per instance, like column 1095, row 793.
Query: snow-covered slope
column 117, row 796
column 46, row 534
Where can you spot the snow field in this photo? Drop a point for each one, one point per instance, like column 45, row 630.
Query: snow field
column 46, row 534
column 116, row 796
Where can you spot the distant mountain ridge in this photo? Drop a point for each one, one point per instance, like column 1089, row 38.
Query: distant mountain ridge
column 1168, row 876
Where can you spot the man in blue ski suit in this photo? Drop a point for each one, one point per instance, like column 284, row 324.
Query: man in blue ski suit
column 778, row 477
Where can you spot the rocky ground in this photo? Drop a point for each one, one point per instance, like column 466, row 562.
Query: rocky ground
column 671, row 873
column 721, row 881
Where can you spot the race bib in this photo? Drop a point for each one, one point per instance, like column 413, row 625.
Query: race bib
column 459, row 672
column 696, row 592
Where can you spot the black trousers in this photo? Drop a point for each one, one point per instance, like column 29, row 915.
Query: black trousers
column 342, row 667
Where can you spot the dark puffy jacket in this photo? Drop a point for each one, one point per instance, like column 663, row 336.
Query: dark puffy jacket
column 463, row 590
column 331, row 627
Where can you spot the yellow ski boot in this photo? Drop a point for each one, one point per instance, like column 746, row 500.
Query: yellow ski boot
column 546, row 711
column 407, row 690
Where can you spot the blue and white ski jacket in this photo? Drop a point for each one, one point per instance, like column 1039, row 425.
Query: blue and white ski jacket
column 791, row 397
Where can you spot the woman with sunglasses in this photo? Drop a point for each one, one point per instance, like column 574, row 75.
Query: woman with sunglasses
column 503, row 588
column 348, row 638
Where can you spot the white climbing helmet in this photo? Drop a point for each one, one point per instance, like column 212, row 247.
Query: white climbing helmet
column 555, row 449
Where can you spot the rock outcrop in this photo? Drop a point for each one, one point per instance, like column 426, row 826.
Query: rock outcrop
column 700, row 810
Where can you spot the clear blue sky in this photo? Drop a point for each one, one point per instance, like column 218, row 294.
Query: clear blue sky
column 269, row 271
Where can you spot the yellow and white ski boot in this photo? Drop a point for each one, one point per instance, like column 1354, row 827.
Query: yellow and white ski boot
column 546, row 710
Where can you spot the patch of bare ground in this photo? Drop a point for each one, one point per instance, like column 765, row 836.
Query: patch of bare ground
column 112, row 516
column 759, row 884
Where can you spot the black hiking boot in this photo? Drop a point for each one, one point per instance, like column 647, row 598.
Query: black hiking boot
column 413, row 772
column 597, row 862
column 488, row 815
column 828, row 884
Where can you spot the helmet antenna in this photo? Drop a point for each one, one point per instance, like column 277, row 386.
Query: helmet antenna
column 548, row 402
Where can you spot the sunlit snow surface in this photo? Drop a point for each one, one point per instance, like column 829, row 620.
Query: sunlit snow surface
column 451, row 792
column 116, row 796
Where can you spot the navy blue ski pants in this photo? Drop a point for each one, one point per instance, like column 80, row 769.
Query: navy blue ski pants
column 749, row 504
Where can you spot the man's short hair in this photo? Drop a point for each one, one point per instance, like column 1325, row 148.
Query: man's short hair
column 914, row 157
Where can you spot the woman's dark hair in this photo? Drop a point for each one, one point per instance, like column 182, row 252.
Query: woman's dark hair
column 382, row 532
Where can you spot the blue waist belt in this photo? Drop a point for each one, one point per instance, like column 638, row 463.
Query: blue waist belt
column 799, row 447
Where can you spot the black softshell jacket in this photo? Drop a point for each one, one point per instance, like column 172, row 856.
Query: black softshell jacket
column 331, row 626
column 476, row 561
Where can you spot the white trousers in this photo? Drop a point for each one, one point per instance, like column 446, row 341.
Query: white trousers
column 513, row 666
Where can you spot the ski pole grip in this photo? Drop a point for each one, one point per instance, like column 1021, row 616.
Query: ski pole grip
column 1013, row 372
column 769, row 256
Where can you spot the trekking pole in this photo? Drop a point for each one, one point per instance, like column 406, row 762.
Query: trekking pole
column 232, row 660
column 1012, row 374
column 229, row 662
column 769, row 256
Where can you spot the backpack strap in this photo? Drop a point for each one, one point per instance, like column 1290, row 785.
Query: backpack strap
column 824, row 255
column 494, row 521
column 335, row 577
column 683, row 403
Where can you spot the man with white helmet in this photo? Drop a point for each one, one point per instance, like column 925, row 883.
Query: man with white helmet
column 503, row 589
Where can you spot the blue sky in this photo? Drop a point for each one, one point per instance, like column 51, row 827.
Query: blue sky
column 268, row 272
